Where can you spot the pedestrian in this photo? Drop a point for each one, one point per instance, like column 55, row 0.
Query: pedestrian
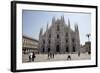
column 53, row 55
column 69, row 57
column 78, row 53
column 30, row 56
column 89, row 52
column 33, row 56
column 48, row 55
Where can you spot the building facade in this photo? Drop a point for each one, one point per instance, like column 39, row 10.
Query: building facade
column 59, row 38
column 86, row 47
column 29, row 44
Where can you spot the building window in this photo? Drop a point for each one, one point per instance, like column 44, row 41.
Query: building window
column 67, row 50
column 73, row 49
column 43, row 41
column 57, row 36
column 48, row 49
column 57, row 48
column 43, row 50
column 49, row 41
column 66, row 41
column 66, row 34
column 73, row 40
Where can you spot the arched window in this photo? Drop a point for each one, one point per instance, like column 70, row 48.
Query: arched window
column 49, row 41
column 48, row 49
column 73, row 49
column 57, row 36
column 49, row 35
column 66, row 34
column 57, row 48
column 66, row 40
column 73, row 40
column 43, row 41
column 43, row 49
column 67, row 49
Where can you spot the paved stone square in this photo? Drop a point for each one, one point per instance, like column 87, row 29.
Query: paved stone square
column 57, row 57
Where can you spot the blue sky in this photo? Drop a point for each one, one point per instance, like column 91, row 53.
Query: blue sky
column 32, row 21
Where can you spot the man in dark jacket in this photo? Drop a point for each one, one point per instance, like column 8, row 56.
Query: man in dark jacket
column 33, row 56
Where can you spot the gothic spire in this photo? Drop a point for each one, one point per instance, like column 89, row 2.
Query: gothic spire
column 62, row 19
column 76, row 27
column 53, row 20
column 41, row 31
column 68, row 23
column 47, row 26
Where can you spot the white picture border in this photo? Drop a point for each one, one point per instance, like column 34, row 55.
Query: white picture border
column 38, row 65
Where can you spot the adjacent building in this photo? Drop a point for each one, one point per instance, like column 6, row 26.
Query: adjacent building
column 29, row 44
column 86, row 47
column 59, row 37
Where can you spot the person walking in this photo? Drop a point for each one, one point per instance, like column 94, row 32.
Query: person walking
column 30, row 56
column 69, row 57
column 53, row 55
column 33, row 56
column 78, row 53
column 48, row 55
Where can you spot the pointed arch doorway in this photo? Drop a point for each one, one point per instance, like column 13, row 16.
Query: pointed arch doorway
column 57, row 48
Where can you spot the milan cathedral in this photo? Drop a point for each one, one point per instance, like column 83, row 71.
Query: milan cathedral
column 59, row 37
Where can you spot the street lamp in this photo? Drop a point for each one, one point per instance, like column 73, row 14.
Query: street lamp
column 89, row 49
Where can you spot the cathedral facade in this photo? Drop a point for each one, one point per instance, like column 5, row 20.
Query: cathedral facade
column 59, row 38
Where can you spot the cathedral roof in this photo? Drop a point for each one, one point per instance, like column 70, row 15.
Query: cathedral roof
column 61, row 24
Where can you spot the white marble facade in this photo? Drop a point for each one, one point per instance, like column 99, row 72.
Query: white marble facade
column 59, row 38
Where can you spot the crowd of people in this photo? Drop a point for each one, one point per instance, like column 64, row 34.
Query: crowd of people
column 50, row 55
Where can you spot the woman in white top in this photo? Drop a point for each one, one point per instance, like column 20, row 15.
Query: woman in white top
column 30, row 56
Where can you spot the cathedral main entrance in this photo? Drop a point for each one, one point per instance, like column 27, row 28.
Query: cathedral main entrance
column 43, row 50
column 57, row 48
column 48, row 49
column 67, row 49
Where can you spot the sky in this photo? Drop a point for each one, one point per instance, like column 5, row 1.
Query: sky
column 33, row 21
